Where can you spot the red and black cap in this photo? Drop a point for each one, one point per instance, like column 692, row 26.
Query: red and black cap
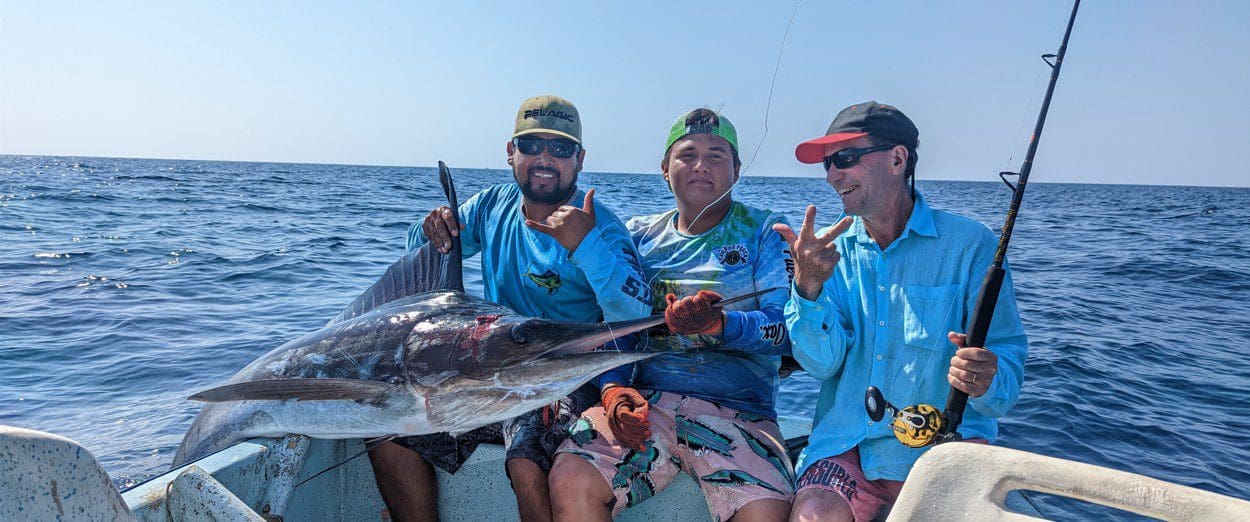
column 885, row 122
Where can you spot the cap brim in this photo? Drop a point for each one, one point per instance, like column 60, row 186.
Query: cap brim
column 548, row 131
column 813, row 151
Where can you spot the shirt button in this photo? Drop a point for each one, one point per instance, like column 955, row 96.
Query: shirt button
column 818, row 308
column 880, row 323
column 881, row 288
column 878, row 357
column 871, row 423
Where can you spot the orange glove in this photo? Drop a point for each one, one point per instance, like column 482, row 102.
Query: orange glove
column 627, row 415
column 694, row 314
column 551, row 413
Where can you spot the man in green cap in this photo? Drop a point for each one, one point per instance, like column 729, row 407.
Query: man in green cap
column 544, row 256
column 708, row 401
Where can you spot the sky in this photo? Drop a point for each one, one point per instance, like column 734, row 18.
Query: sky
column 1152, row 92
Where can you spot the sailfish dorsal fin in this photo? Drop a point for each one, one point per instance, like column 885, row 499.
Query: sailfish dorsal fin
column 423, row 270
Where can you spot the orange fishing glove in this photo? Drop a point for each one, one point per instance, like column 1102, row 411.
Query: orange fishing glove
column 627, row 415
column 694, row 314
column 551, row 413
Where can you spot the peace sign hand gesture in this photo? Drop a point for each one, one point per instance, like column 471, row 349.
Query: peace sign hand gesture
column 569, row 224
column 814, row 256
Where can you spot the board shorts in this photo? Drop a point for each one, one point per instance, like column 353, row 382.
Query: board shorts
column 843, row 476
column 524, row 436
column 735, row 457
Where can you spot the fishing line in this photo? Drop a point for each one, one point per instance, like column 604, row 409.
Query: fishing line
column 1060, row 21
column 767, row 109
column 370, row 444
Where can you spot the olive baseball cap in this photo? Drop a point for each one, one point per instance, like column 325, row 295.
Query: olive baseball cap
column 705, row 121
column 859, row 120
column 550, row 114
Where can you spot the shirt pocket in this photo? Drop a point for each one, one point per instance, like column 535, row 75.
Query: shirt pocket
column 927, row 313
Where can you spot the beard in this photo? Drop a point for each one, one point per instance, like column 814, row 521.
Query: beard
column 554, row 196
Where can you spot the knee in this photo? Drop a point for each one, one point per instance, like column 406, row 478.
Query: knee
column 804, row 511
column 524, row 472
column 819, row 505
column 762, row 509
column 573, row 477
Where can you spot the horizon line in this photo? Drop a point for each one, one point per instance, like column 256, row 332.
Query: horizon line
column 598, row 172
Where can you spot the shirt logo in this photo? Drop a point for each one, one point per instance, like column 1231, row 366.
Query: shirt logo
column 775, row 332
column 732, row 255
column 548, row 280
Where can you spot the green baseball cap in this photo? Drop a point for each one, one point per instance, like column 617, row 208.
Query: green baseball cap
column 702, row 121
column 551, row 114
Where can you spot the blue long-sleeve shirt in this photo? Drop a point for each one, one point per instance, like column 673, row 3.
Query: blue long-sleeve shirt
column 741, row 254
column 531, row 273
column 881, row 320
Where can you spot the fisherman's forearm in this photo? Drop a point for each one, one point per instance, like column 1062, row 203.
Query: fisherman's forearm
column 818, row 339
column 760, row 332
column 619, row 287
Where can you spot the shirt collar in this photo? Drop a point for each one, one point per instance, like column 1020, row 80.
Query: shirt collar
column 920, row 222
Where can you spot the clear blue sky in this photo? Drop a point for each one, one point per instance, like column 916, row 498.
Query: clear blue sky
column 1152, row 91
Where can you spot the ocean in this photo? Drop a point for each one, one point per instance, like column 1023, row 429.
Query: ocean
column 128, row 284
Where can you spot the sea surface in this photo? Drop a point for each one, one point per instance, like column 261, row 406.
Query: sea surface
column 126, row 285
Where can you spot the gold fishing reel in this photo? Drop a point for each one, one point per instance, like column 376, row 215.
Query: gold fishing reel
column 915, row 426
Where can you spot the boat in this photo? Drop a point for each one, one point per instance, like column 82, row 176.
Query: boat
column 295, row 478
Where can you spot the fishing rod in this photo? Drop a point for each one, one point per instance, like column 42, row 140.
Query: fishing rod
column 922, row 425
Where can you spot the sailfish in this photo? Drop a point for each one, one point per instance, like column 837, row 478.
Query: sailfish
column 414, row 354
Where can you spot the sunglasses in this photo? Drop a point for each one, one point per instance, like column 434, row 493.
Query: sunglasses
column 534, row 146
column 847, row 158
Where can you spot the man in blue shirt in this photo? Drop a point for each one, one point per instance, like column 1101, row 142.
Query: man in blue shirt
column 547, row 250
column 877, row 301
column 708, row 399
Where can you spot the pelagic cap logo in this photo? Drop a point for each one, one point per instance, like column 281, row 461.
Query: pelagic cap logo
column 550, row 115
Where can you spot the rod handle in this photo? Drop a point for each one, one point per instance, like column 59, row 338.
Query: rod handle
column 982, row 314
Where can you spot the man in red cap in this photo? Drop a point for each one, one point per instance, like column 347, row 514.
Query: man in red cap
column 877, row 300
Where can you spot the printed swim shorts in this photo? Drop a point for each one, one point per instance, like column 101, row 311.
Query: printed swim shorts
column 736, row 457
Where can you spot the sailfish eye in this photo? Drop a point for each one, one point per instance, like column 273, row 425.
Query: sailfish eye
column 522, row 334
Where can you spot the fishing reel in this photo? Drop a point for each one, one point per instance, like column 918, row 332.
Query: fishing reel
column 915, row 426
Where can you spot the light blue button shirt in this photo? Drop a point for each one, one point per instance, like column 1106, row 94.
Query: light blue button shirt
column 881, row 320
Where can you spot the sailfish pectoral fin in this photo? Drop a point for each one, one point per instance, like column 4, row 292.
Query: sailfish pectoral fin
column 299, row 389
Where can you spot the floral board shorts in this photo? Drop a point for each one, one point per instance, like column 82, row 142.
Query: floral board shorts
column 736, row 457
column 525, row 436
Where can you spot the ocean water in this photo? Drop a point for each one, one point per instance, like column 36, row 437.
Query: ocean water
column 126, row 285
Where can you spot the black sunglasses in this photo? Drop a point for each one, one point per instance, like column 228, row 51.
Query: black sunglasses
column 847, row 158
column 534, row 146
